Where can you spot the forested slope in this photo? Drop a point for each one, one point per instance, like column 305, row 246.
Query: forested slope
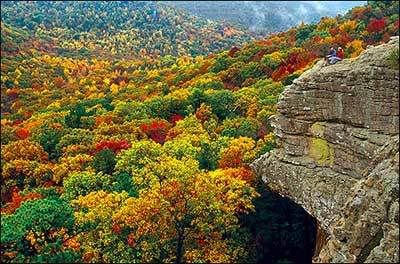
column 119, row 28
column 264, row 17
column 145, row 159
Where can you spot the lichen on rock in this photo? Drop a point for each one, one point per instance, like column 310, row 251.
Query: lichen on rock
column 321, row 152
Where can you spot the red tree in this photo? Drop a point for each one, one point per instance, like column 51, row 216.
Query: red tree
column 232, row 51
column 157, row 130
column 113, row 145
column 22, row 133
column 376, row 25
column 175, row 118
column 17, row 199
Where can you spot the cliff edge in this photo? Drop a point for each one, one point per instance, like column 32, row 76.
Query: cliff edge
column 337, row 156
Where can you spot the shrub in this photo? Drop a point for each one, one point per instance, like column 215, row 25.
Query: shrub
column 289, row 79
column 394, row 58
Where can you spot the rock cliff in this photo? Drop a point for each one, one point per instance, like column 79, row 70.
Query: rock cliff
column 337, row 156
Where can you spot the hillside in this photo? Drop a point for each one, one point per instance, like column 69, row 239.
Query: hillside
column 147, row 159
column 263, row 17
column 129, row 29
column 338, row 137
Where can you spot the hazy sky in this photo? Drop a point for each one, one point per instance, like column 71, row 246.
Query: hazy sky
column 340, row 6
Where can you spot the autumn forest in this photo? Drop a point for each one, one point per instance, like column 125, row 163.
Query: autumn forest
column 128, row 128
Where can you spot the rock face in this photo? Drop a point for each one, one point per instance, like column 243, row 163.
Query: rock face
column 337, row 156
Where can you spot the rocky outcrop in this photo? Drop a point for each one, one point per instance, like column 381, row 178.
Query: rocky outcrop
column 337, row 156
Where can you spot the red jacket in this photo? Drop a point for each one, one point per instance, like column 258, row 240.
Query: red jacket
column 340, row 54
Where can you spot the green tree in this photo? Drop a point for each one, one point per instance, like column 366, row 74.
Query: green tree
column 82, row 183
column 74, row 118
column 221, row 63
column 196, row 98
column 304, row 33
column 221, row 102
column 104, row 161
column 75, row 136
column 208, row 156
column 123, row 182
column 36, row 232
column 251, row 70
column 49, row 135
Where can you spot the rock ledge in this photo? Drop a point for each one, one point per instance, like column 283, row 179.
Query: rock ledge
column 337, row 154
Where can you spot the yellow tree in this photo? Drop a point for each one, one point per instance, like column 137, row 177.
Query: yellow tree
column 182, row 215
column 186, row 215
column 355, row 48
column 97, row 240
column 24, row 163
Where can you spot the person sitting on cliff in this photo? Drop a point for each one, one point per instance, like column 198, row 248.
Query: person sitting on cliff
column 332, row 53
column 340, row 53
column 332, row 59
column 339, row 56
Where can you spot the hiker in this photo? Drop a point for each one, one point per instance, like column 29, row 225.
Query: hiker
column 338, row 57
column 340, row 53
column 334, row 57
column 333, row 60
column 332, row 53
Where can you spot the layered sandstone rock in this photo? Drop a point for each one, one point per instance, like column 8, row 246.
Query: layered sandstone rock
column 337, row 154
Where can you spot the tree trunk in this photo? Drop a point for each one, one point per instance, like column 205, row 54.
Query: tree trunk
column 179, row 248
